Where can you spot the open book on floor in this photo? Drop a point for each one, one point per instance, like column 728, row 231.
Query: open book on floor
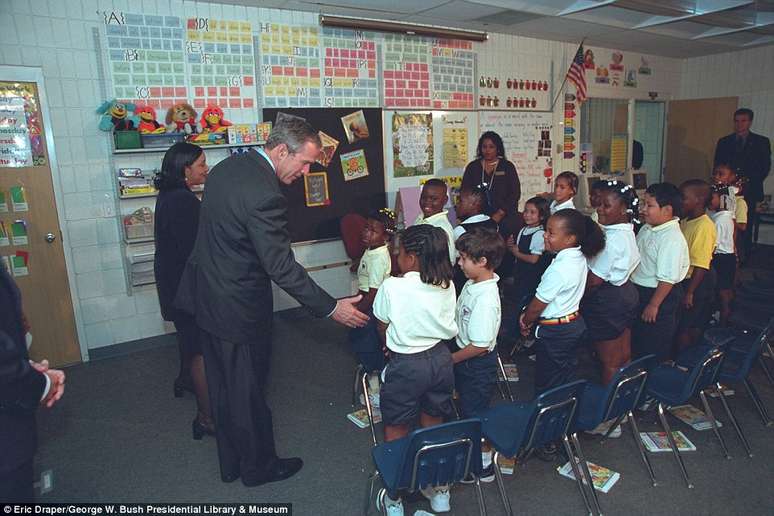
column 511, row 373
column 506, row 465
column 604, row 479
column 360, row 417
column 657, row 441
column 693, row 417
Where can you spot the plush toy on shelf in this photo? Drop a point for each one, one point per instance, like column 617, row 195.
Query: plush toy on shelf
column 148, row 123
column 212, row 121
column 181, row 118
column 116, row 116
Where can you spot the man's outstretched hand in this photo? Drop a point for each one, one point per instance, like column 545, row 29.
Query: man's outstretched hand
column 346, row 313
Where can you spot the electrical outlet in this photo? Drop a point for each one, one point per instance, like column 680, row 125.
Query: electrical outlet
column 46, row 483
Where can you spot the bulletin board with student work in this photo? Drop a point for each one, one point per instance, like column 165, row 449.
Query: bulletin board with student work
column 348, row 177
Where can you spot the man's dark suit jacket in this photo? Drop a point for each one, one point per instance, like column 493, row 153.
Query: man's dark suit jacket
column 242, row 245
column 754, row 162
column 20, row 385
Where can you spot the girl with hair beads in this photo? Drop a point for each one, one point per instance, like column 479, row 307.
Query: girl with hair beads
column 374, row 268
column 415, row 314
column 610, row 304
column 574, row 238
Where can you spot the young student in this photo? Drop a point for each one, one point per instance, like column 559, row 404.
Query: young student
column 610, row 304
column 699, row 283
column 375, row 266
column 471, row 212
column 594, row 191
column 528, row 247
column 724, row 259
column 478, row 321
column 414, row 314
column 554, row 310
column 726, row 176
column 431, row 201
column 565, row 188
column 664, row 262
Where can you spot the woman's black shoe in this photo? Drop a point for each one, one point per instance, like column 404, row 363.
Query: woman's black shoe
column 180, row 385
column 199, row 429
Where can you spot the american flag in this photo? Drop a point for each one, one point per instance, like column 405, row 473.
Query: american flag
column 577, row 75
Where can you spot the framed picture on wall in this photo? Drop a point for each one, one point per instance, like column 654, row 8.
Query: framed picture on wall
column 316, row 189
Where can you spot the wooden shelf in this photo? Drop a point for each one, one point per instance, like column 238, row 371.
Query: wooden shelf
column 138, row 196
column 144, row 240
column 150, row 150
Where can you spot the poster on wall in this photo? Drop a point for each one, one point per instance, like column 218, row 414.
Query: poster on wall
column 355, row 126
column 349, row 71
column 455, row 140
column 354, row 165
column 406, row 65
column 616, row 68
column 453, row 69
column 631, row 78
column 290, row 66
column 316, row 189
column 412, row 144
column 645, row 68
column 21, row 132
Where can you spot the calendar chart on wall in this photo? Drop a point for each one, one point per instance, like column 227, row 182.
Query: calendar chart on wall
column 349, row 71
column 527, row 140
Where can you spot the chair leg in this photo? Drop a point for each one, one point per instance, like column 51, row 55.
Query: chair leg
column 758, row 403
column 765, row 367
column 359, row 370
column 734, row 422
column 673, row 445
column 615, row 425
column 643, row 455
column 578, row 475
column 369, row 409
column 714, row 423
column 505, row 378
column 501, row 484
column 480, row 497
column 587, row 473
column 369, row 492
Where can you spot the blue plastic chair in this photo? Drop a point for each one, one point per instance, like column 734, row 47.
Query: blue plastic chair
column 434, row 456
column 617, row 400
column 516, row 429
column 672, row 386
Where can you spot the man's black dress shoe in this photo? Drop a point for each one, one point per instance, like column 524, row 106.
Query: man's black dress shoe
column 281, row 470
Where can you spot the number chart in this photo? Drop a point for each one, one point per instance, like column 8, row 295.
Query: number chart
column 290, row 66
column 349, row 78
column 453, row 72
column 220, row 63
column 406, row 71
column 146, row 58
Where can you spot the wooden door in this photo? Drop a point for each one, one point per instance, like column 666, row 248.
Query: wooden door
column 31, row 239
column 693, row 129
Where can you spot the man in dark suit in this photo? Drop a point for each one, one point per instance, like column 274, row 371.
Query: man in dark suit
column 23, row 386
column 749, row 154
column 241, row 247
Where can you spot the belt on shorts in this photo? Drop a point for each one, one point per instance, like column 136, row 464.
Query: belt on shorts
column 425, row 353
column 559, row 320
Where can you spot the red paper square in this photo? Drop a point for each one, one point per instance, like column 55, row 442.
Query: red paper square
column 314, row 72
column 199, row 91
column 212, row 91
column 248, row 80
column 248, row 102
column 344, row 53
column 224, row 91
column 351, row 72
column 168, row 92
column 198, row 103
column 155, row 92
column 328, row 52
column 234, row 103
column 223, row 103
column 180, row 92
column 340, row 72
column 287, row 71
column 233, row 91
column 302, row 72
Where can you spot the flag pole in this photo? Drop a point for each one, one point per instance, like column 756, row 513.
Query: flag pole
column 566, row 74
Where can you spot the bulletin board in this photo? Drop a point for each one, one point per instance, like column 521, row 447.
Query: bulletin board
column 528, row 145
column 348, row 190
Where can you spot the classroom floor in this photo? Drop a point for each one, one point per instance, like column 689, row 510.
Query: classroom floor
column 118, row 435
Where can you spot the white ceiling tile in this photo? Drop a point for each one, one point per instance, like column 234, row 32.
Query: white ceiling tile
column 460, row 10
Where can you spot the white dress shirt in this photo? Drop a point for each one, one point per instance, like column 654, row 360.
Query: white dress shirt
column 620, row 256
column 478, row 314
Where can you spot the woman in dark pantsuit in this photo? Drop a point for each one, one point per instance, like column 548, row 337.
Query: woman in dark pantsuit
column 176, row 225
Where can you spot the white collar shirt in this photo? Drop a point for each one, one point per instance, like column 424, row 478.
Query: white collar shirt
column 663, row 255
column 478, row 314
column 620, row 256
column 563, row 283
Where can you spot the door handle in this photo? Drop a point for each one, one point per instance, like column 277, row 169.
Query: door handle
column 50, row 237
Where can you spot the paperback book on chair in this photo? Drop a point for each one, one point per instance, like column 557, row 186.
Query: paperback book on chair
column 657, row 441
column 603, row 478
column 360, row 417
column 693, row 417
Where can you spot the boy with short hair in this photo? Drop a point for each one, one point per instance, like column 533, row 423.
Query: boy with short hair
column 699, row 283
column 431, row 201
column 478, row 322
column 664, row 262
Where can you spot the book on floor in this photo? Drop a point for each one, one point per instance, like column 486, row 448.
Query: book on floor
column 657, row 441
column 506, row 465
column 693, row 417
column 727, row 391
column 360, row 417
column 603, row 478
column 511, row 373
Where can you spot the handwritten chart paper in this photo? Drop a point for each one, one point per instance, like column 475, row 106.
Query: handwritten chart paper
column 412, row 144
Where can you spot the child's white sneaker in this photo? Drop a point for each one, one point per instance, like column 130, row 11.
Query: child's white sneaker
column 439, row 498
column 391, row 507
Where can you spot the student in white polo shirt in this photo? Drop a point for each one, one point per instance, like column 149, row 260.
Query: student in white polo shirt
column 415, row 313
column 478, row 319
column 554, row 310
column 431, row 201
column 664, row 263
column 565, row 188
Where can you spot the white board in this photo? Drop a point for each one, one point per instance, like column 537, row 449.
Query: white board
column 521, row 132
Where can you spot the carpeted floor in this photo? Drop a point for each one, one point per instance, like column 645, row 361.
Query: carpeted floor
column 118, row 435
